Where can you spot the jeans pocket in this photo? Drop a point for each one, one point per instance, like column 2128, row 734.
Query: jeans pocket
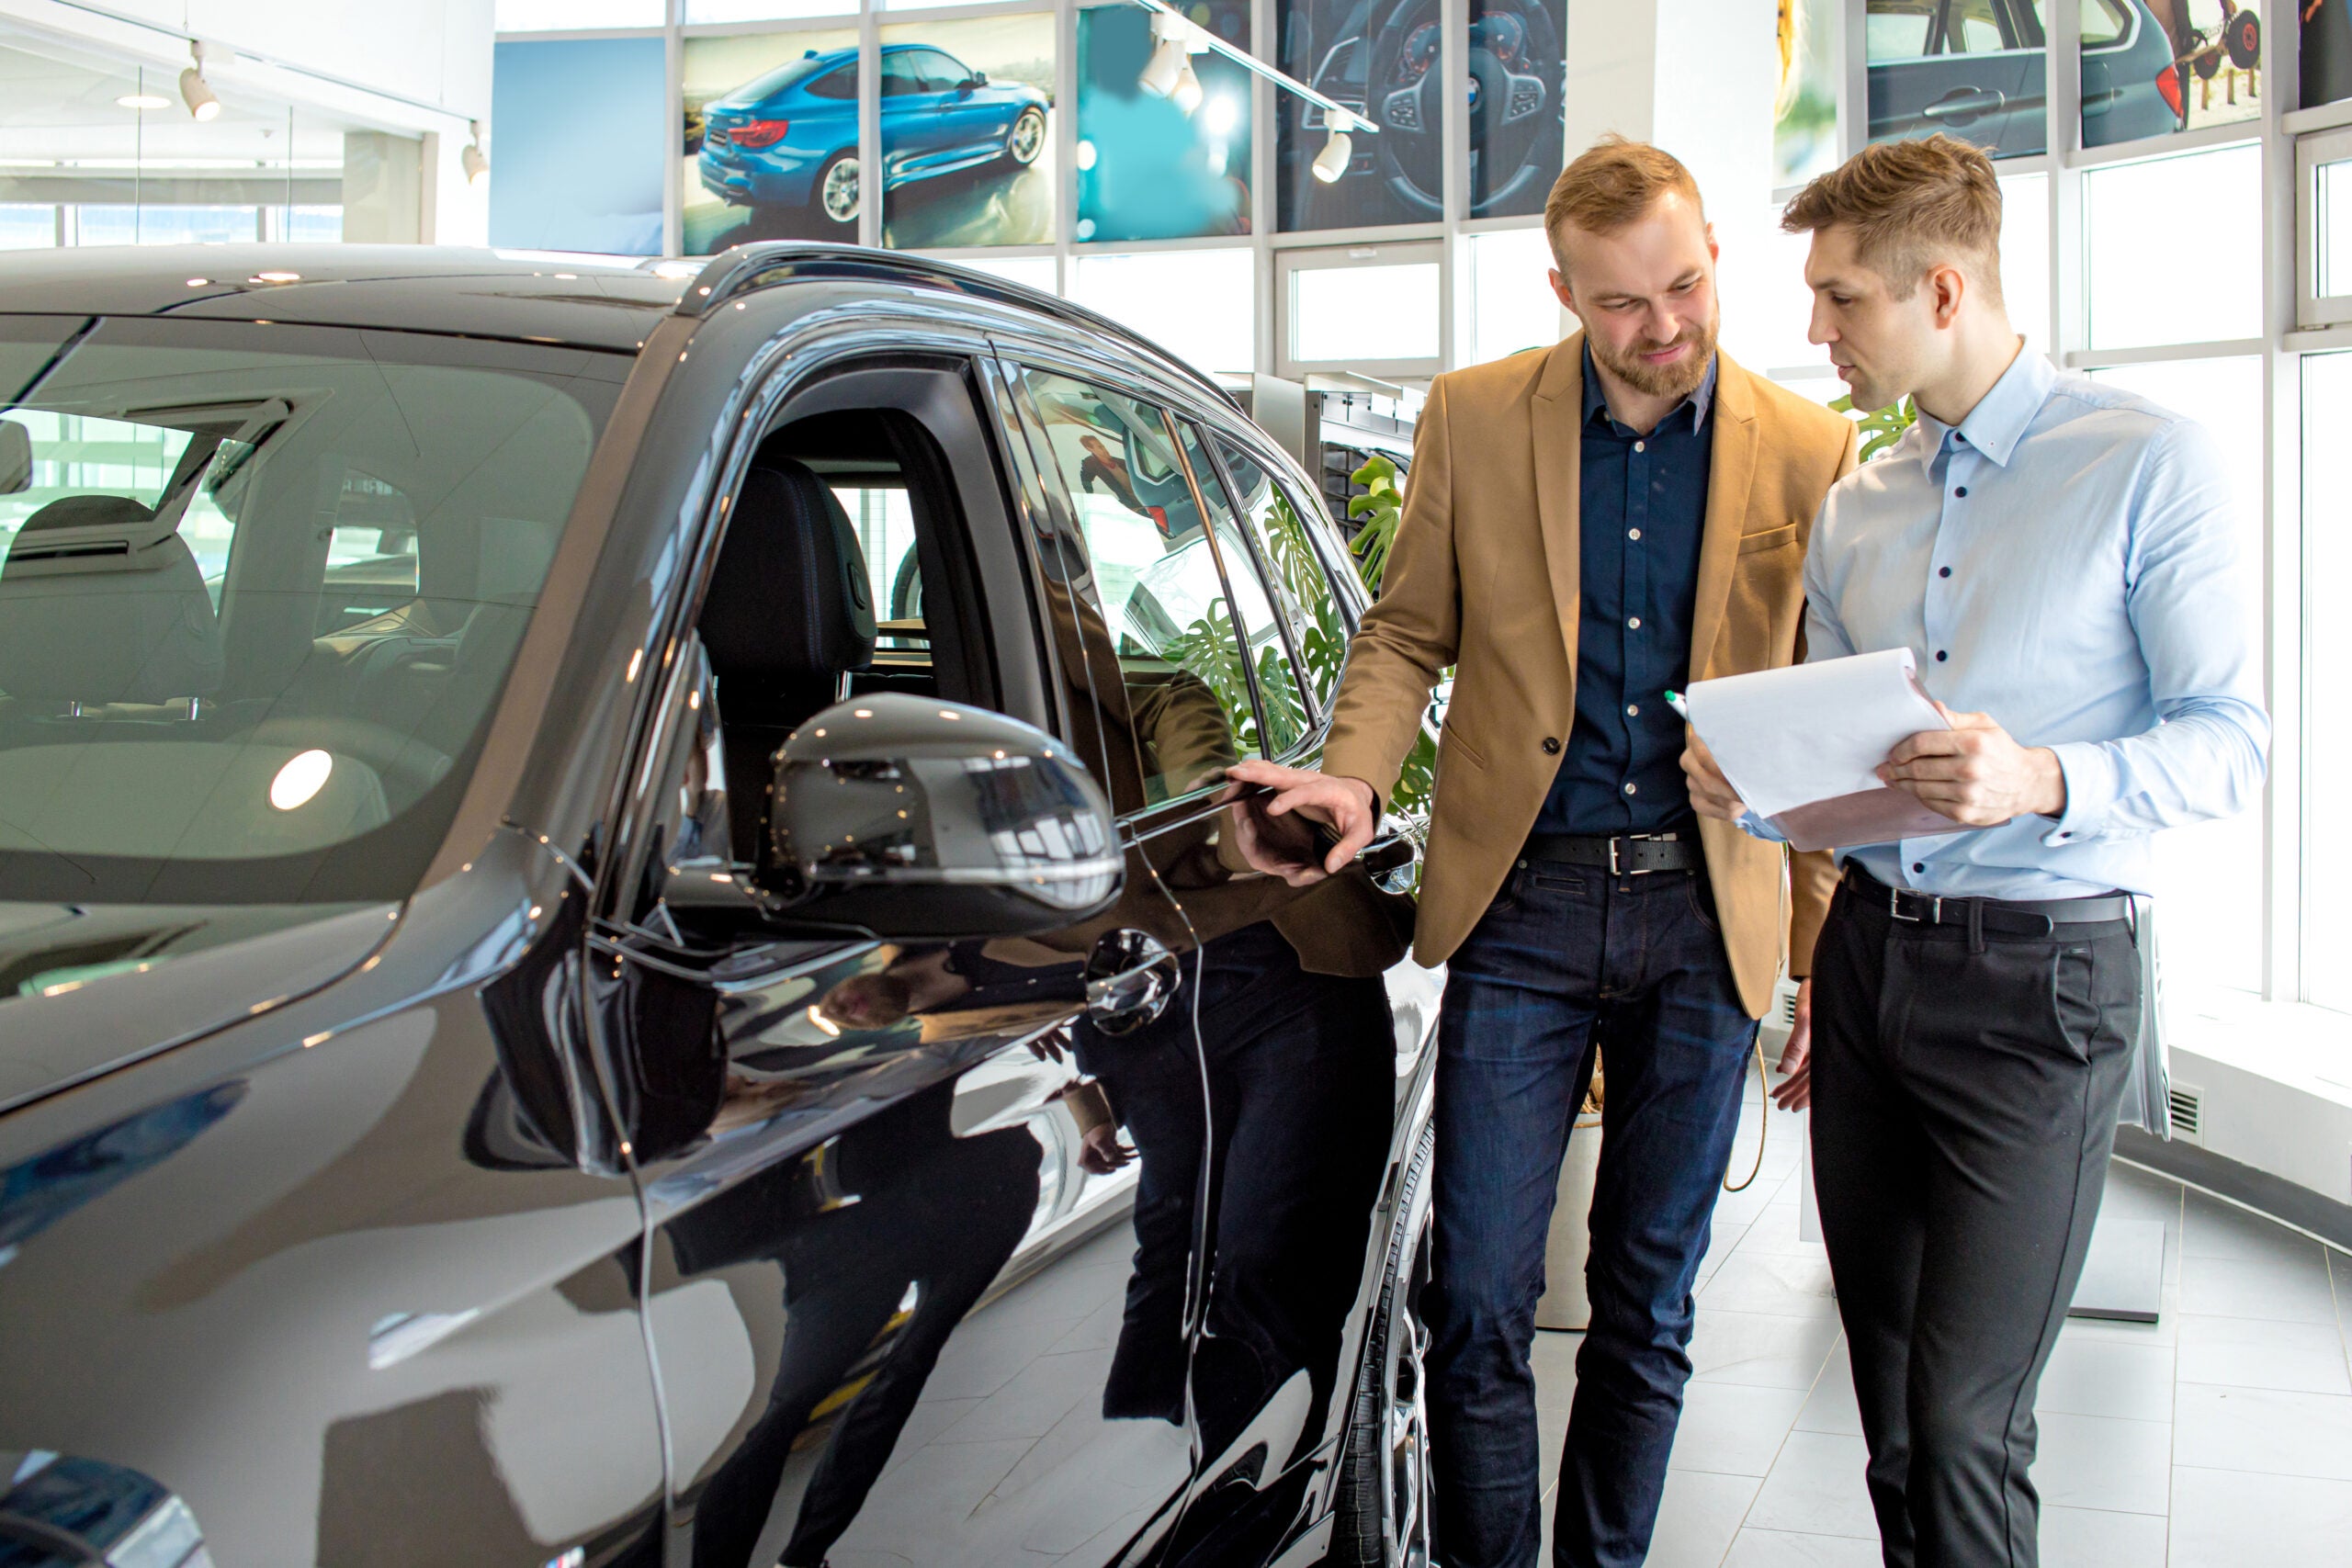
column 1701, row 894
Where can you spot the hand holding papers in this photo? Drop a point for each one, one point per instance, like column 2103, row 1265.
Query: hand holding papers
column 1802, row 746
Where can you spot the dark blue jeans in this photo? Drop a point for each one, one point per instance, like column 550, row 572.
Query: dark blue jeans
column 1568, row 956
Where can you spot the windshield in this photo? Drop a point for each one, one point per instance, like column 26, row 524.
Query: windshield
column 261, row 588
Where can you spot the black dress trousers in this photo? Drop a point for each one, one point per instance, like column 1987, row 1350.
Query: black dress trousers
column 1963, row 1109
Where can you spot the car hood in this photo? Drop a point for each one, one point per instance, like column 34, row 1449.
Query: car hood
column 85, row 989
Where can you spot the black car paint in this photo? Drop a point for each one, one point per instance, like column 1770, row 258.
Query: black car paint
column 333, row 1228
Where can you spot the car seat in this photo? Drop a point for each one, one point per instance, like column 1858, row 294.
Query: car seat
column 788, row 616
column 98, row 607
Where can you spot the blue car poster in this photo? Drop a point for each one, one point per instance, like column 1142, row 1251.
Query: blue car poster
column 967, row 132
column 771, row 138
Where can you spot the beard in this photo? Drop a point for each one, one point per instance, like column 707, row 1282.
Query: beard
column 1679, row 379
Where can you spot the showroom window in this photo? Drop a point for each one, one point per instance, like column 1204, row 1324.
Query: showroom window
column 1510, row 304
column 2327, row 662
column 1370, row 308
column 1195, row 303
column 2173, row 249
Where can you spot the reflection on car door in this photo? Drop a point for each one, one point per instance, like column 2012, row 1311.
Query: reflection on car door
column 886, row 1297
column 1190, row 653
column 1974, row 68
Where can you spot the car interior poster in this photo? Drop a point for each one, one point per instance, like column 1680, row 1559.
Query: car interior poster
column 1374, row 58
column 1162, row 165
column 1805, row 115
column 579, row 145
column 2154, row 66
column 967, row 132
column 770, row 139
column 2326, row 52
column 1518, row 69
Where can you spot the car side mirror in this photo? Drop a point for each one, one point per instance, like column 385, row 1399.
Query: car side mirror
column 975, row 80
column 15, row 458
column 917, row 818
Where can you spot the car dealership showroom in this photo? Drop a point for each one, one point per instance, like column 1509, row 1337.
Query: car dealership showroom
column 1638, row 558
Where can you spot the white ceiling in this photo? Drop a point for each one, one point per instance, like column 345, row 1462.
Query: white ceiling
column 54, row 112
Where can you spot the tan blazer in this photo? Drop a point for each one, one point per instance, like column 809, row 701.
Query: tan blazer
column 1484, row 576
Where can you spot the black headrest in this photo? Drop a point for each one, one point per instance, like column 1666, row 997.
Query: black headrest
column 789, row 600
column 114, row 613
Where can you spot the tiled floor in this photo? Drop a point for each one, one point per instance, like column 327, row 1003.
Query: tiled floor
column 2219, row 1437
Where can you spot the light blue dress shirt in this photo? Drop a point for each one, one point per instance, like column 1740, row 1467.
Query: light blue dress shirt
column 2069, row 559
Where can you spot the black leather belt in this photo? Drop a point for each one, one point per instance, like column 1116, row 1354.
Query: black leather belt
column 2002, row 917
column 1633, row 856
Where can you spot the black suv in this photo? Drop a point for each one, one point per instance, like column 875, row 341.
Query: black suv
column 546, row 1022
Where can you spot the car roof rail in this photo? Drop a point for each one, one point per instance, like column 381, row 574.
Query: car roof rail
column 765, row 262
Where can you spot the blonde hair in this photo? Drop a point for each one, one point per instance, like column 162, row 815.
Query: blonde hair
column 1910, row 205
column 1610, row 184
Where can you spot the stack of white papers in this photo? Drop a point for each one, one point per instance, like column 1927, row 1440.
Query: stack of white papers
column 1802, row 746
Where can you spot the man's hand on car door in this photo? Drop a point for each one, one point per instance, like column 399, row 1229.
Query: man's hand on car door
column 1345, row 806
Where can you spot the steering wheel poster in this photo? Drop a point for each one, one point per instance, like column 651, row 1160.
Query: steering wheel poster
column 1382, row 60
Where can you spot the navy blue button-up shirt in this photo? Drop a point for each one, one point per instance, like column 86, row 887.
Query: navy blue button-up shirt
column 1642, row 510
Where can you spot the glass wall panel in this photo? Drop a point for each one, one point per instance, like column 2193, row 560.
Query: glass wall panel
column 2154, row 66
column 2208, row 877
column 563, row 16
column 967, row 132
column 1162, row 165
column 1518, row 73
column 708, row 11
column 1380, row 59
column 1340, row 314
column 26, row 226
column 2331, row 197
column 1511, row 303
column 1805, row 120
column 2173, row 249
column 1977, row 69
column 1198, row 305
column 2327, row 676
column 1037, row 272
column 2025, row 256
column 770, row 139
column 578, row 139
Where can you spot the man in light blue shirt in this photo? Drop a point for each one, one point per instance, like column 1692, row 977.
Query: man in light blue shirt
column 2067, row 565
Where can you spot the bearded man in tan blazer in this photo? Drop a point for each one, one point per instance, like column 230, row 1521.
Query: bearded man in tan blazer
column 1585, row 528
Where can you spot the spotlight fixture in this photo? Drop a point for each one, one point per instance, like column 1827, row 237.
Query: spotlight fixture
column 1332, row 162
column 195, row 91
column 1187, row 92
column 1170, row 60
column 473, row 160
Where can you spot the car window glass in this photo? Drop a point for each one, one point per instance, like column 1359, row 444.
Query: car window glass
column 839, row 83
column 2104, row 21
column 1301, row 592
column 885, row 520
column 1186, row 690
column 1971, row 28
column 901, row 76
column 940, row 73
column 210, row 690
column 1283, row 703
column 1897, row 29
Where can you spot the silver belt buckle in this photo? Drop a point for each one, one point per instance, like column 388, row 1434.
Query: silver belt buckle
column 1935, row 906
column 1612, row 857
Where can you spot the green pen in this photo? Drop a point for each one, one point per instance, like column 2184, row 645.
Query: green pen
column 1674, row 700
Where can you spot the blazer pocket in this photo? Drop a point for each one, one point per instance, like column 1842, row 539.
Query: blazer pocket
column 1768, row 539
column 1455, row 743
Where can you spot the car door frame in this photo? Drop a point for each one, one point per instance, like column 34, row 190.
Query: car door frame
column 1415, row 1063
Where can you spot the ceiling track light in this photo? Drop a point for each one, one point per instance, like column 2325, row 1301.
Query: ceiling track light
column 195, row 91
column 1170, row 74
column 473, row 160
column 1337, row 148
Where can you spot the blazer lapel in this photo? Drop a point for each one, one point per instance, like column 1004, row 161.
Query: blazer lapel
column 1731, row 474
column 1555, row 417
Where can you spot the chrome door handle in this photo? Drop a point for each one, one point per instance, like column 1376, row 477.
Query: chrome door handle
column 1130, row 976
column 1964, row 104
